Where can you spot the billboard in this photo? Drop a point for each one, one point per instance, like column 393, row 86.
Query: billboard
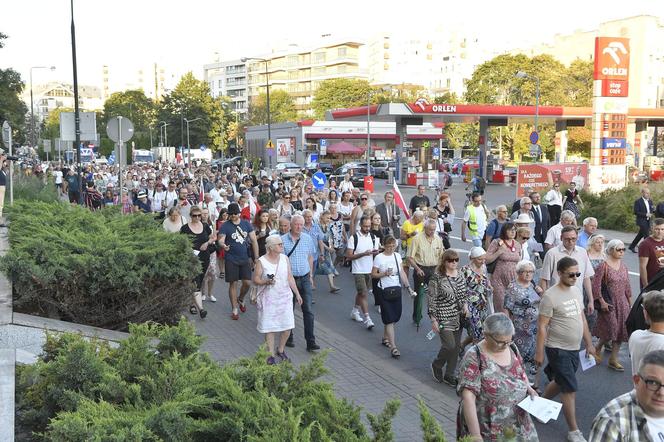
column 541, row 176
column 608, row 177
column 285, row 150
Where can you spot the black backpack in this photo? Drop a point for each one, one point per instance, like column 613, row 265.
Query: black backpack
column 481, row 183
column 355, row 239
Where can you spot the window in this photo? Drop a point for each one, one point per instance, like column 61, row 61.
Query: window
column 292, row 60
column 319, row 57
column 341, row 52
column 341, row 69
column 221, row 84
column 319, row 71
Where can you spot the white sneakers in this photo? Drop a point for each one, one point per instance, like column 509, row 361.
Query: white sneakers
column 355, row 315
column 368, row 323
column 575, row 436
column 211, row 298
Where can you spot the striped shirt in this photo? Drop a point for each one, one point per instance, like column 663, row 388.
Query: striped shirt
column 300, row 258
column 622, row 419
column 446, row 297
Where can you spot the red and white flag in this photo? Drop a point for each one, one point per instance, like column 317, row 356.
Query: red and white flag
column 398, row 199
column 201, row 192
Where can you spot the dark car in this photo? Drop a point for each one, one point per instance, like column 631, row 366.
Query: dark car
column 326, row 168
column 359, row 171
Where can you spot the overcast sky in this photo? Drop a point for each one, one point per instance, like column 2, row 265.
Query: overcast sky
column 184, row 35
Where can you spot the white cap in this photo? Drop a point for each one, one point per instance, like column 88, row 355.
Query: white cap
column 476, row 252
column 523, row 218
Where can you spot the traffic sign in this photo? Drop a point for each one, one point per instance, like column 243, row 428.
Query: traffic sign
column 323, row 147
column 203, row 147
column 319, row 180
column 120, row 128
column 6, row 133
column 435, row 153
column 269, row 145
column 535, row 150
column 534, row 137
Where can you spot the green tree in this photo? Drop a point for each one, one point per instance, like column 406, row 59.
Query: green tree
column 282, row 108
column 339, row 93
column 12, row 108
column 189, row 100
column 458, row 134
column 579, row 83
column 132, row 104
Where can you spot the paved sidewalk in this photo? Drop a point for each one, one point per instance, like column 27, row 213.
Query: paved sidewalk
column 357, row 374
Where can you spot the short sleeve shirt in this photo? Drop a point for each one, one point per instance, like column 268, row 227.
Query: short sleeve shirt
column 565, row 308
column 364, row 243
column 237, row 238
column 382, row 263
column 549, row 272
column 654, row 251
column 299, row 259
column 409, row 228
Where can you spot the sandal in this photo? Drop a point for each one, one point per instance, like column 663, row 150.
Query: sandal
column 334, row 289
column 193, row 310
column 386, row 342
column 395, row 353
column 615, row 365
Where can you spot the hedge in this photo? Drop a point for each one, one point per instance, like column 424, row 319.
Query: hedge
column 97, row 268
column 157, row 386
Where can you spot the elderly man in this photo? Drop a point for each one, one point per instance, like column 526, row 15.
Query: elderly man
column 637, row 415
column 389, row 214
column 346, row 185
column 567, row 218
column 589, row 229
column 496, row 224
column 409, row 229
column 540, row 213
column 525, row 204
column 423, row 256
column 644, row 211
column 284, row 224
column 300, row 248
column 313, row 229
column 475, row 220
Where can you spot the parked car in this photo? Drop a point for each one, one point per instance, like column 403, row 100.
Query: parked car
column 359, row 171
column 326, row 168
column 288, row 170
column 381, row 167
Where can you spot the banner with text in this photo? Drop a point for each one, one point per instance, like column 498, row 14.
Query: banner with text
column 542, row 176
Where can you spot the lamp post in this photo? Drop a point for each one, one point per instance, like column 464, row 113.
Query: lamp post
column 189, row 145
column 522, row 74
column 267, row 93
column 32, row 109
column 163, row 125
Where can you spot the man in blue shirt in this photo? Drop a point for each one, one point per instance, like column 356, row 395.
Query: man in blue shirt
column 312, row 228
column 235, row 236
column 300, row 249
column 589, row 229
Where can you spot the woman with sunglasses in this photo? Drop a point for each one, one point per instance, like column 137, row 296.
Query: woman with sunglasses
column 613, row 295
column 506, row 251
column 284, row 206
column 522, row 305
column 202, row 238
column 358, row 212
column 445, row 212
column 492, row 381
column 447, row 297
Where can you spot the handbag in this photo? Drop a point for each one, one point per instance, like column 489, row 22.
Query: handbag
column 392, row 293
column 604, row 292
column 255, row 292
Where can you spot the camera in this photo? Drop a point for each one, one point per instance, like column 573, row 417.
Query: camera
column 11, row 157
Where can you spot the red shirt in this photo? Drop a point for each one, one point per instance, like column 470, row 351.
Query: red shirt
column 654, row 251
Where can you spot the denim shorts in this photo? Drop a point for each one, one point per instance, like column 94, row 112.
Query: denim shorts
column 562, row 368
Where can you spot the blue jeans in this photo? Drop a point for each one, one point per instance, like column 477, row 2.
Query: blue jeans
column 306, row 292
column 477, row 242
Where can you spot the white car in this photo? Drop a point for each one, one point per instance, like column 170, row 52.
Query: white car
column 288, row 170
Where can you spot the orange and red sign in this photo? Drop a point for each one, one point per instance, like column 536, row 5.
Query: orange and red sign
column 615, row 88
column 611, row 59
column 541, row 177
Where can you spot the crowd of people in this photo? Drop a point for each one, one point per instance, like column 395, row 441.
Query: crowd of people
column 532, row 288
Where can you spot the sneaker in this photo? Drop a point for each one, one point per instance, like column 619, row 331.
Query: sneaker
column 355, row 315
column 204, row 298
column 437, row 374
column 243, row 308
column 212, row 298
column 575, row 436
column 271, row 361
column 283, row 356
column 368, row 323
column 451, row 381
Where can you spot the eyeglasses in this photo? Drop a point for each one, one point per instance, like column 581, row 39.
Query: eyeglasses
column 452, row 260
column 573, row 275
column 364, row 199
column 279, row 244
column 527, row 271
column 503, row 343
column 652, row 384
column 525, row 238
column 194, row 215
column 620, row 250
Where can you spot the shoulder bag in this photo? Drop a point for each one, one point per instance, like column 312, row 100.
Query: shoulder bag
column 604, row 291
column 392, row 293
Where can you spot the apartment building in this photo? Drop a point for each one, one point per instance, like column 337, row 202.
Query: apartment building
column 228, row 78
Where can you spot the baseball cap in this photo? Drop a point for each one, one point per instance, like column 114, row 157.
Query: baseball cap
column 142, row 194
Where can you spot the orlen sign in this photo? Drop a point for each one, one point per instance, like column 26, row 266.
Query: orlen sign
column 611, row 58
column 423, row 106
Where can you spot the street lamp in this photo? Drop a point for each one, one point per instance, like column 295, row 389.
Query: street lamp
column 163, row 126
column 522, row 74
column 189, row 145
column 32, row 109
column 267, row 93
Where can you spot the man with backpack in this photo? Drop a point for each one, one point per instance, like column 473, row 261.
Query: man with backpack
column 496, row 224
column 478, row 183
column 362, row 247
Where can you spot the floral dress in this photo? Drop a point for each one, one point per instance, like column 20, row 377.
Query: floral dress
column 337, row 230
column 479, row 294
column 497, row 391
column 523, row 303
column 505, row 271
column 570, row 202
column 610, row 325
column 326, row 267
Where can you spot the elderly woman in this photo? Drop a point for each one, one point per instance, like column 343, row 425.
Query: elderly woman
column 174, row 221
column 274, row 301
column 409, row 229
column 480, row 294
column 447, row 296
column 596, row 254
column 506, row 252
column 388, row 270
column 492, row 381
column 613, row 297
column 522, row 305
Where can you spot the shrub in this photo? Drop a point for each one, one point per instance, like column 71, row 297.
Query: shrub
column 166, row 395
column 98, row 268
column 32, row 188
column 615, row 208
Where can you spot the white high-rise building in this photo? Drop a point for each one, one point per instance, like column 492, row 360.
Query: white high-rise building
column 228, row 78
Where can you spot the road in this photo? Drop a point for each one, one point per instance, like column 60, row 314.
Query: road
column 597, row 386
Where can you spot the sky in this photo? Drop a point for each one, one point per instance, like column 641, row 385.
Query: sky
column 184, row 35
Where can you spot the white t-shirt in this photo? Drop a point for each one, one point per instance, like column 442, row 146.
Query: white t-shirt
column 362, row 265
column 346, row 186
column 382, row 263
column 642, row 342
column 345, row 210
column 656, row 427
column 58, row 176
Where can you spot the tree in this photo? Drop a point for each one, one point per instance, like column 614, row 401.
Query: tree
column 339, row 93
column 12, row 108
column 282, row 108
column 458, row 135
column 132, row 104
column 189, row 100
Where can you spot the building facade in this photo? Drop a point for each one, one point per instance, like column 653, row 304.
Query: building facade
column 229, row 78
column 50, row 96
column 153, row 79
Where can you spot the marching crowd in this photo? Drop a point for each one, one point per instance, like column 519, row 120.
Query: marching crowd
column 532, row 289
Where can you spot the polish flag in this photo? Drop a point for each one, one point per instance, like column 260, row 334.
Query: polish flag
column 201, row 192
column 398, row 199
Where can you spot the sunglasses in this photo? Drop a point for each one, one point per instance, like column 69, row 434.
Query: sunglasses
column 364, row 199
column 195, row 215
column 452, row 260
column 525, row 238
column 620, row 250
column 573, row 275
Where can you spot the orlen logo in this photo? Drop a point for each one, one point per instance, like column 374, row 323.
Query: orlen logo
column 611, row 58
column 422, row 103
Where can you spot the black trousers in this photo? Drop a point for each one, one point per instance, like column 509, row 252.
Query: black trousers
column 644, row 231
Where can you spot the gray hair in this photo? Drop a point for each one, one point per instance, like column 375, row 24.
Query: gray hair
column 567, row 214
column 429, row 222
column 307, row 212
column 332, row 205
column 297, row 216
column 525, row 199
column 614, row 244
column 655, row 357
column 271, row 241
column 524, row 265
column 498, row 324
column 501, row 207
column 589, row 220
column 271, row 211
column 418, row 213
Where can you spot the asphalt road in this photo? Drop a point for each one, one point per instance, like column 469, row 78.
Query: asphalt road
column 597, row 386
